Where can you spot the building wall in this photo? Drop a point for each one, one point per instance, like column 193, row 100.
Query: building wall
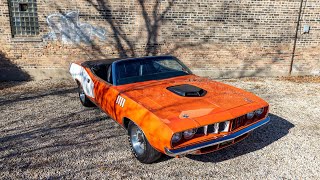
column 307, row 57
column 221, row 38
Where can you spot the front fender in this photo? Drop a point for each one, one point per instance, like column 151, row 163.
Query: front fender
column 157, row 133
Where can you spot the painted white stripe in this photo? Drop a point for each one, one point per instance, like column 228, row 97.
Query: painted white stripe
column 121, row 100
column 124, row 100
column 118, row 99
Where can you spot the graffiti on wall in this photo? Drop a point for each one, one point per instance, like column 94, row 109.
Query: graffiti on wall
column 68, row 29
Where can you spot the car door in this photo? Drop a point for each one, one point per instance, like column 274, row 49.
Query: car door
column 106, row 94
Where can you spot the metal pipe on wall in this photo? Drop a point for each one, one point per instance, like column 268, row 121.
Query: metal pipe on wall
column 295, row 38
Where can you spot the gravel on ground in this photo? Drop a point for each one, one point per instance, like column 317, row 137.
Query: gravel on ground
column 46, row 134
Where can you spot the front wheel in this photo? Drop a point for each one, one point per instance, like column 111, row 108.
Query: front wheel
column 140, row 146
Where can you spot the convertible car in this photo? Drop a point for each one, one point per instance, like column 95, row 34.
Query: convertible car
column 165, row 108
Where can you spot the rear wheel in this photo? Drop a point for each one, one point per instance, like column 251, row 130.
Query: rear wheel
column 140, row 146
column 85, row 101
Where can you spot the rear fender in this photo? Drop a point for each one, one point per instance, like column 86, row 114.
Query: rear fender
column 80, row 74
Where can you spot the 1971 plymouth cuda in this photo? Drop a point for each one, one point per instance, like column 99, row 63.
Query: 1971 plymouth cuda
column 165, row 108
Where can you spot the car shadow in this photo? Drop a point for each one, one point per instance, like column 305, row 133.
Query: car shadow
column 259, row 138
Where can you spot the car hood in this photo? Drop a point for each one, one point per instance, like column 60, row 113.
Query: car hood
column 171, row 107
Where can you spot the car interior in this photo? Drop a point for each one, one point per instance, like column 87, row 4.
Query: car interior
column 103, row 71
column 136, row 71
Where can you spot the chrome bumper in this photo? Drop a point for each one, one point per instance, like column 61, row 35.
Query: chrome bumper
column 186, row 150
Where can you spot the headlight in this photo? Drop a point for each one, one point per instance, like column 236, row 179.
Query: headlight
column 250, row 115
column 259, row 111
column 188, row 134
column 176, row 137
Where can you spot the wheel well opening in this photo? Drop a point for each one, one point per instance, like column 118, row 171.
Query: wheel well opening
column 126, row 122
column 77, row 81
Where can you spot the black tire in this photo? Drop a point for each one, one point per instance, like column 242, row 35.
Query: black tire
column 147, row 154
column 85, row 101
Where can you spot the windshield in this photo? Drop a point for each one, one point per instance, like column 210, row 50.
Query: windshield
column 155, row 68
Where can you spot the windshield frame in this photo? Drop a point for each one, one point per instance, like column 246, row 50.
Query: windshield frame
column 114, row 66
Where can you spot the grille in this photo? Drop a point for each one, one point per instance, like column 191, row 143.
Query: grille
column 213, row 128
column 243, row 121
column 238, row 122
column 234, row 123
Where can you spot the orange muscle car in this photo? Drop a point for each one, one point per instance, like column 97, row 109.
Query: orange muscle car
column 165, row 108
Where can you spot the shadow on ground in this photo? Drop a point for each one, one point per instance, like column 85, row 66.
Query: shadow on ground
column 260, row 138
column 80, row 132
column 52, row 129
column 32, row 96
column 10, row 71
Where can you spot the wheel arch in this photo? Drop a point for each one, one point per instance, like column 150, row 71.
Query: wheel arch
column 125, row 122
column 154, row 141
column 77, row 81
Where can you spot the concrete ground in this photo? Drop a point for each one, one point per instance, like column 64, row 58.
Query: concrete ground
column 46, row 134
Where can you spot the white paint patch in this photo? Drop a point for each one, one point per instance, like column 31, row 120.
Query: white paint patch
column 80, row 74
column 120, row 101
column 68, row 29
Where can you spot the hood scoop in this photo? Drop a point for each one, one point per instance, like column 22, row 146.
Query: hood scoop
column 186, row 90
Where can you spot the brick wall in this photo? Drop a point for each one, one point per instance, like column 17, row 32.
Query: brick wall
column 307, row 59
column 220, row 38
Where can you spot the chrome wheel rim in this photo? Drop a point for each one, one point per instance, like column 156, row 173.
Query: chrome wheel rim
column 137, row 140
column 82, row 96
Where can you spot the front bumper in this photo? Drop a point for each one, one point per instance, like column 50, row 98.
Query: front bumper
column 229, row 137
